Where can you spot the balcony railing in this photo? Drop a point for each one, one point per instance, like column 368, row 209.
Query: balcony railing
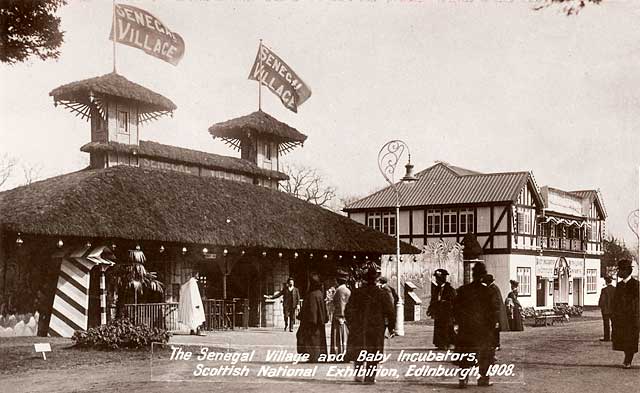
column 556, row 243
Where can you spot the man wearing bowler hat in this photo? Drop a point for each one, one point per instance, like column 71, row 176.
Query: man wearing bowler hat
column 606, row 307
column 625, row 317
column 441, row 309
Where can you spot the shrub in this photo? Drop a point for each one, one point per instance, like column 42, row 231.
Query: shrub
column 120, row 333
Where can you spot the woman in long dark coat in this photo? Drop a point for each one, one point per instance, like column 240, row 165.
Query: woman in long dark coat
column 441, row 310
column 366, row 312
column 311, row 336
column 625, row 316
column 514, row 309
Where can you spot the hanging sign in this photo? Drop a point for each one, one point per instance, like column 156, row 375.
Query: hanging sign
column 138, row 28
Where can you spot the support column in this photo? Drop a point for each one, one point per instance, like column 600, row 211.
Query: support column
column 103, row 296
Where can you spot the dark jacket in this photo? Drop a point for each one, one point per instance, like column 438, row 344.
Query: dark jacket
column 290, row 298
column 625, row 317
column 606, row 299
column 441, row 303
column 311, row 335
column 476, row 315
column 496, row 297
column 365, row 313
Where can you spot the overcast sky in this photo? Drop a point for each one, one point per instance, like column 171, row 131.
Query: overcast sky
column 488, row 85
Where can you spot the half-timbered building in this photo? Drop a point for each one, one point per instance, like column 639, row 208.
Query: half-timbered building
column 547, row 239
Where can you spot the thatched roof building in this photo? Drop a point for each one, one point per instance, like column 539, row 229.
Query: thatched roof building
column 260, row 124
column 154, row 205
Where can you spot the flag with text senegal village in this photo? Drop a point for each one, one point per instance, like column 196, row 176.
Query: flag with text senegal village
column 280, row 78
column 138, row 28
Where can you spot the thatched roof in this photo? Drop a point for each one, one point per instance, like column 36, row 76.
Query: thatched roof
column 167, row 153
column 149, row 204
column 78, row 96
column 232, row 131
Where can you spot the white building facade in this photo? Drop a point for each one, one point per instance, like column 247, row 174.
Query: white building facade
column 549, row 240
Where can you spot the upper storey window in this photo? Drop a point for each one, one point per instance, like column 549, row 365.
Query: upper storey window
column 123, row 122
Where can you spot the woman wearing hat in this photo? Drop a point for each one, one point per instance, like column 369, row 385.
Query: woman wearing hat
column 441, row 310
column 514, row 309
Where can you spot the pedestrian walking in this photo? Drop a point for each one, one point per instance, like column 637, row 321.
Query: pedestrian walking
column 625, row 316
column 606, row 307
column 496, row 297
column 441, row 309
column 290, row 302
column 365, row 313
column 339, row 329
column 475, row 314
column 514, row 309
column 311, row 336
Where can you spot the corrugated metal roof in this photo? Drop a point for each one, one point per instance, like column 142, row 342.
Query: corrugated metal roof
column 442, row 184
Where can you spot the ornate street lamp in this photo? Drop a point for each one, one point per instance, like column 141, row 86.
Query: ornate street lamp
column 388, row 159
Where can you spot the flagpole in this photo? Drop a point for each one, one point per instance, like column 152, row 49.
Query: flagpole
column 114, row 35
column 260, row 76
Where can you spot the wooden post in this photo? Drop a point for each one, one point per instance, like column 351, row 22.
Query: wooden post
column 103, row 296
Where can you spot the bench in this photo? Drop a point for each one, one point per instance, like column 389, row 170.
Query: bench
column 547, row 317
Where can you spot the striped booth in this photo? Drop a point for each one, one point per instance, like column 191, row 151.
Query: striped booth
column 71, row 301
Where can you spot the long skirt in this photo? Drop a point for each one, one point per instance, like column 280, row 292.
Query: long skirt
column 443, row 333
column 339, row 336
column 515, row 323
column 312, row 340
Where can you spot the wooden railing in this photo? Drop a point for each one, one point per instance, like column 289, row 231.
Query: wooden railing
column 556, row 243
column 219, row 314
column 158, row 315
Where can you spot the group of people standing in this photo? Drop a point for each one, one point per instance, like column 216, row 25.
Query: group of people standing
column 479, row 313
column 441, row 309
column 359, row 319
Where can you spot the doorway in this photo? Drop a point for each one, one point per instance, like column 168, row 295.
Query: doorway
column 541, row 291
column 577, row 292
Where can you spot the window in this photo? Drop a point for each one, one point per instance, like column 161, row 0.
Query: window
column 524, row 278
column 383, row 222
column 433, row 222
column 592, row 286
column 267, row 151
column 374, row 221
column 524, row 220
column 123, row 122
column 466, row 220
column 449, row 222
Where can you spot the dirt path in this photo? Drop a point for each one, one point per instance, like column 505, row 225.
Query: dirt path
column 552, row 359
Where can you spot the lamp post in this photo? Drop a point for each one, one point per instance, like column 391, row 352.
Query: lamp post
column 388, row 159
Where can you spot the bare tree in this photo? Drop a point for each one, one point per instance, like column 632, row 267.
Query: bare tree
column 7, row 165
column 307, row 184
column 32, row 172
column 569, row 7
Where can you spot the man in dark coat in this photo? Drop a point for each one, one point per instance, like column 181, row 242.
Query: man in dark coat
column 496, row 297
column 476, row 315
column 366, row 312
column 606, row 307
column 441, row 310
column 290, row 300
column 311, row 336
column 625, row 316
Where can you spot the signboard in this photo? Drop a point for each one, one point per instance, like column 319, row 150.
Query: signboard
column 137, row 28
column 545, row 266
column 42, row 347
column 279, row 78
column 169, row 166
column 576, row 266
